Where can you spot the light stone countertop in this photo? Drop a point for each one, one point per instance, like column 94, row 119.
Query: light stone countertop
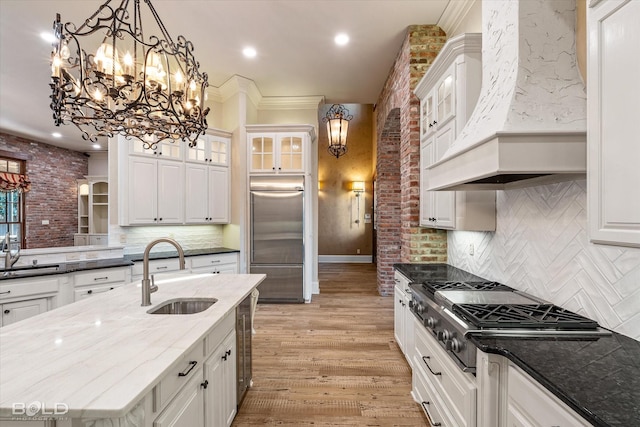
column 102, row 355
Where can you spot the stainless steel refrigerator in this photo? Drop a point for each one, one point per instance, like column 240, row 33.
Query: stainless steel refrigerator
column 277, row 231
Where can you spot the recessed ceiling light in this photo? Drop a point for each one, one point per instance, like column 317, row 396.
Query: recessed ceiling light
column 341, row 39
column 56, row 135
column 249, row 52
column 96, row 146
column 48, row 36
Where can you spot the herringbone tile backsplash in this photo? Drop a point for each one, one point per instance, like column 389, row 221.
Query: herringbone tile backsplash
column 541, row 246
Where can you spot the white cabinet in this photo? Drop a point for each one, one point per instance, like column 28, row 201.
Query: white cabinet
column 403, row 317
column 448, row 93
column 220, row 374
column 282, row 152
column 509, row 397
column 531, row 405
column 156, row 191
column 187, row 408
column 208, row 180
column 156, row 266
column 447, row 394
column 613, row 127
column 94, row 282
column 201, row 389
column 207, row 201
column 15, row 311
column 175, row 184
column 93, row 211
column 24, row 298
column 211, row 149
column 216, row 264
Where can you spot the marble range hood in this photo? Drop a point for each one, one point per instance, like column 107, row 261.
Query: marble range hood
column 529, row 125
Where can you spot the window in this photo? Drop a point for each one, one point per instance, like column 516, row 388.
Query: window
column 12, row 204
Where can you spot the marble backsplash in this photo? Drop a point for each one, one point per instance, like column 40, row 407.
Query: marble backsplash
column 541, row 246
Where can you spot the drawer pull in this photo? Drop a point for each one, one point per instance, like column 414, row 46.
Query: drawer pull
column 424, row 405
column 424, row 359
column 5, row 292
column 101, row 278
column 7, row 311
column 162, row 267
column 215, row 261
column 192, row 365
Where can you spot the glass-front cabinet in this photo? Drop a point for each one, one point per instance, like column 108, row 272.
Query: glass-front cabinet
column 277, row 152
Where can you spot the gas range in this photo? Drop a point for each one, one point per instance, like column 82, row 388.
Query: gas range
column 452, row 311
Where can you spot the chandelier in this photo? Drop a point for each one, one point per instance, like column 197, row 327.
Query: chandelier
column 109, row 77
column 337, row 120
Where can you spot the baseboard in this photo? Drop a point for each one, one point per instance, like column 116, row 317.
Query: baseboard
column 364, row 259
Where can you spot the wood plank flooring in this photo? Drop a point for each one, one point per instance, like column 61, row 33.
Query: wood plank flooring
column 333, row 362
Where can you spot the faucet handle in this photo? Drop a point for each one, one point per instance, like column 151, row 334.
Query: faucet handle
column 153, row 287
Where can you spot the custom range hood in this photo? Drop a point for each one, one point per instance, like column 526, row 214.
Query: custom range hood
column 529, row 125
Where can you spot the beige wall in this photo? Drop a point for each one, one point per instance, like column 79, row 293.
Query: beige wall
column 338, row 234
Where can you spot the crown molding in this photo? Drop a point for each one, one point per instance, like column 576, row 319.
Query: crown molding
column 454, row 14
column 290, row 102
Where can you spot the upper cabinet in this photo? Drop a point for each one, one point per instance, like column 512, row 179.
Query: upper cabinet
column 448, row 93
column 175, row 184
column 613, row 127
column 277, row 152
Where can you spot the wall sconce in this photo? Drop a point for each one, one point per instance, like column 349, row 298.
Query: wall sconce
column 358, row 188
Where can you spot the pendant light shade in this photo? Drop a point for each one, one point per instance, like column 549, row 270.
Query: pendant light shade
column 337, row 120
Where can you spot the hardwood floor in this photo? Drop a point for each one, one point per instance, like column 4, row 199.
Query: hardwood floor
column 333, row 362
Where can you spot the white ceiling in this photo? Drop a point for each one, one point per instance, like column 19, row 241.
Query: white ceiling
column 294, row 40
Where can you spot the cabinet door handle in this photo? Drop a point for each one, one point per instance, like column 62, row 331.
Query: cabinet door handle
column 435, row 122
column 424, row 405
column 224, row 356
column 205, row 384
column 228, row 352
column 160, row 219
column 424, row 359
column 100, row 278
column 192, row 365
column 7, row 311
column 5, row 292
column 89, row 291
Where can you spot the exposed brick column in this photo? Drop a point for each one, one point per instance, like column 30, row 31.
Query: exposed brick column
column 421, row 46
column 388, row 212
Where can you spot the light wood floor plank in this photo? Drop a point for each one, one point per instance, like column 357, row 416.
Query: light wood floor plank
column 333, row 362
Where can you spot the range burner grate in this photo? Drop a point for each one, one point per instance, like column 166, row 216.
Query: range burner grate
column 524, row 316
column 465, row 286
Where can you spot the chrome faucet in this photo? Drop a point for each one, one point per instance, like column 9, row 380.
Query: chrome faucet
column 148, row 287
column 9, row 258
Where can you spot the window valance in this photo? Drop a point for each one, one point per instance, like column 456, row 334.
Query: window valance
column 14, row 181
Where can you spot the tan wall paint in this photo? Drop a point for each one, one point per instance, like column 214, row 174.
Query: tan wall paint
column 337, row 233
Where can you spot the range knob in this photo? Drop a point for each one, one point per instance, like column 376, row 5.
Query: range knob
column 455, row 345
column 419, row 307
column 432, row 322
column 444, row 335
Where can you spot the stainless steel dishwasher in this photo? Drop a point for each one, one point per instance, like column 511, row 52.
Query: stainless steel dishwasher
column 243, row 342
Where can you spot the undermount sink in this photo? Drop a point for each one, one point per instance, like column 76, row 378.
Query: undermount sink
column 28, row 270
column 183, row 306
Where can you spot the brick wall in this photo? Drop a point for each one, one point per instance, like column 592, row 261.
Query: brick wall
column 53, row 173
column 398, row 180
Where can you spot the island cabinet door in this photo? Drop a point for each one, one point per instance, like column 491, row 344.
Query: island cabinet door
column 220, row 375
column 187, row 407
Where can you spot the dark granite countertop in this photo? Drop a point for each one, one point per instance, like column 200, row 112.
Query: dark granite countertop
column 598, row 378
column 418, row 273
column 187, row 253
column 21, row 272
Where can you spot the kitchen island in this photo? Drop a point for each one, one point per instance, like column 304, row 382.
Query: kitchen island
column 107, row 358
